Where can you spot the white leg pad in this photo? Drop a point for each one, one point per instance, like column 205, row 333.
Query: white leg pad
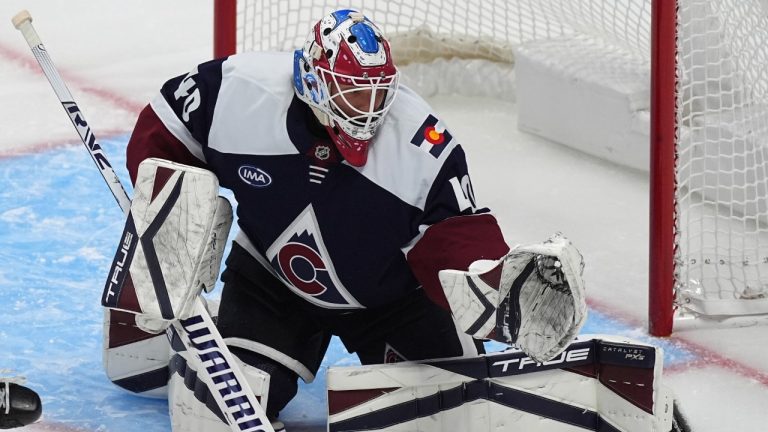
column 597, row 383
column 134, row 360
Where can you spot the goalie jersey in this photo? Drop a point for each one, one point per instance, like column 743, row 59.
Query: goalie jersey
column 339, row 236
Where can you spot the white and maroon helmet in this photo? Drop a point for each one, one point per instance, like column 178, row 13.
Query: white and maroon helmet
column 346, row 53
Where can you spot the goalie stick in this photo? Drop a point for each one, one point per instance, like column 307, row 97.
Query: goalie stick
column 217, row 368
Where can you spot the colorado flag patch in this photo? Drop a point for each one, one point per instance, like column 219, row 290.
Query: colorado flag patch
column 432, row 137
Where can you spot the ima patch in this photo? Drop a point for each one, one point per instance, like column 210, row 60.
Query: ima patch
column 432, row 137
column 254, row 176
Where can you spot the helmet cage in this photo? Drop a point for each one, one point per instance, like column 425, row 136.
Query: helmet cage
column 358, row 121
column 341, row 73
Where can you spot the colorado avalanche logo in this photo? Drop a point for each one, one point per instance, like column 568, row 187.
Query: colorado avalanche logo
column 391, row 355
column 302, row 262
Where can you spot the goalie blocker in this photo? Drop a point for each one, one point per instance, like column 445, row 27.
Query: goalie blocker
column 166, row 255
column 598, row 383
column 172, row 244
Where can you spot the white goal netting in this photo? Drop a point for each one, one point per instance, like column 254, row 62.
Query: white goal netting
column 722, row 99
column 722, row 176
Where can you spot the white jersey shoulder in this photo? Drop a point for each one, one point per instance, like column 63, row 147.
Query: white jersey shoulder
column 249, row 109
column 252, row 106
column 409, row 149
column 250, row 113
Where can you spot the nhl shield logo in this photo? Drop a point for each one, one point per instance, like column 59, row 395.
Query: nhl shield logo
column 322, row 152
column 302, row 262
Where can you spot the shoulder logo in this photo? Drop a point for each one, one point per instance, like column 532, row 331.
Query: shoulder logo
column 432, row 137
column 253, row 176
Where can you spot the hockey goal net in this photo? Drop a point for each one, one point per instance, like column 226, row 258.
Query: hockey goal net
column 708, row 108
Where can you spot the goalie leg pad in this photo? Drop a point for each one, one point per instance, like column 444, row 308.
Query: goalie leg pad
column 134, row 360
column 172, row 244
column 533, row 297
column 598, row 383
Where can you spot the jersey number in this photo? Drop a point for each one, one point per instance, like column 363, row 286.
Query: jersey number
column 192, row 101
column 465, row 196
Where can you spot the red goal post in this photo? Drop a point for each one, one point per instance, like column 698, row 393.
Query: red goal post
column 224, row 28
column 661, row 270
column 704, row 65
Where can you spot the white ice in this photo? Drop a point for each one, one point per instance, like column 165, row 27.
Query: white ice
column 115, row 55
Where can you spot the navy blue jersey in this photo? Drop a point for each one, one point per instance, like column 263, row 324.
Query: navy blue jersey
column 337, row 235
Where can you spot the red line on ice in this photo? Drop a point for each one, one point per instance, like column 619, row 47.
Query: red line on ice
column 27, row 61
column 44, row 426
column 708, row 357
column 55, row 143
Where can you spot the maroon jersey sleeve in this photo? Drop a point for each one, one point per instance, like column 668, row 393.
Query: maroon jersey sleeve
column 150, row 138
column 455, row 231
column 454, row 243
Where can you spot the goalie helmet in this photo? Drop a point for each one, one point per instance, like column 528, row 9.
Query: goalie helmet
column 346, row 74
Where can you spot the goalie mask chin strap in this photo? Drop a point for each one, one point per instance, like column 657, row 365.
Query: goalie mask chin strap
column 321, row 116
